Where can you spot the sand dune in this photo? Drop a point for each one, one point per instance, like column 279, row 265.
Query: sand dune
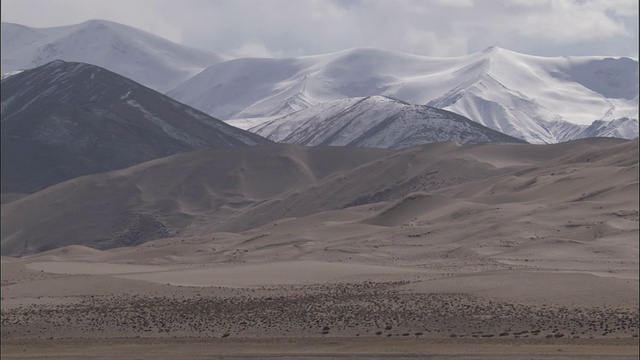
column 411, row 207
column 281, row 273
column 91, row 268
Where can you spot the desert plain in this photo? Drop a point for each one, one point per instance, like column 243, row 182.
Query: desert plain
column 507, row 251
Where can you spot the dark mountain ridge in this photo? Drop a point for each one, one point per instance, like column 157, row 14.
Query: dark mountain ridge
column 64, row 120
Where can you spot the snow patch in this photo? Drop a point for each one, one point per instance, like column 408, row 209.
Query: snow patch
column 166, row 127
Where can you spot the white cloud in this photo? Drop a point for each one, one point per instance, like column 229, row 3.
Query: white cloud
column 568, row 21
column 251, row 49
column 456, row 3
column 623, row 8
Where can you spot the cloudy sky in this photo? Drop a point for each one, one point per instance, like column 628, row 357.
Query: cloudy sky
column 279, row 28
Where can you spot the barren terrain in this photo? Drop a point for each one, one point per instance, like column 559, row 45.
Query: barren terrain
column 486, row 251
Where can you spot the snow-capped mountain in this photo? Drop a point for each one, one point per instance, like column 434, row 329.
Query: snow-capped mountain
column 146, row 58
column 528, row 97
column 376, row 121
column 537, row 99
column 63, row 120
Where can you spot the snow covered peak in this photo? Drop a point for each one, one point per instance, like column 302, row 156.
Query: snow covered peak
column 97, row 23
column 384, row 99
column 521, row 95
column 55, row 63
column 136, row 54
column 491, row 50
column 375, row 121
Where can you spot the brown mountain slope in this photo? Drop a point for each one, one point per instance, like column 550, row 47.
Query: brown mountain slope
column 235, row 190
column 169, row 196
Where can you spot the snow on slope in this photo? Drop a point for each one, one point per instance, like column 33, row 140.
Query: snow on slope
column 376, row 121
column 10, row 73
column 146, row 58
column 524, row 96
column 528, row 96
column 248, row 123
column 234, row 85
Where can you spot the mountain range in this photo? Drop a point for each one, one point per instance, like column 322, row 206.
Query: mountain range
column 537, row 99
column 346, row 199
column 64, row 119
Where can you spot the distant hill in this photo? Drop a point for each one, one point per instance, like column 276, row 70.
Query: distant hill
column 143, row 57
column 233, row 190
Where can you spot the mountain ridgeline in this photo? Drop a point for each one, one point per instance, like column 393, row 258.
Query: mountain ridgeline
column 377, row 121
column 63, row 120
column 138, row 55
column 536, row 99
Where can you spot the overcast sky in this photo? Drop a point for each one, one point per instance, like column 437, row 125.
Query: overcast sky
column 278, row 28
